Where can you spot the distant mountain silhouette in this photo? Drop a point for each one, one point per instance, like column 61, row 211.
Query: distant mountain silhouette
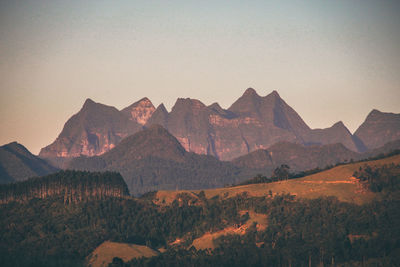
column 18, row 164
column 252, row 122
column 378, row 129
column 153, row 159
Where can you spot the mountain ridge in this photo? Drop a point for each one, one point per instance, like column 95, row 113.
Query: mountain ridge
column 17, row 164
column 252, row 122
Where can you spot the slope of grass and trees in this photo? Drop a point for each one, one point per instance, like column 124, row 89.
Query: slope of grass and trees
column 49, row 231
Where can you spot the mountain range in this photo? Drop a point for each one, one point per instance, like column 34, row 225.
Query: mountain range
column 153, row 159
column 250, row 123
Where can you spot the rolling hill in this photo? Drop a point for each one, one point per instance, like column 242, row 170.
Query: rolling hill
column 338, row 182
column 153, row 159
column 18, row 164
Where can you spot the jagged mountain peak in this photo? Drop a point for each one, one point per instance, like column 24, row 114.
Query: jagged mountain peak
column 274, row 94
column 250, row 92
column 92, row 107
column 159, row 116
column 88, row 102
column 215, row 106
column 140, row 111
column 379, row 128
column 188, row 103
column 375, row 111
column 143, row 101
column 339, row 124
column 162, row 108
column 249, row 102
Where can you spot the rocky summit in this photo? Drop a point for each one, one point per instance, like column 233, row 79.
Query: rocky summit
column 252, row 122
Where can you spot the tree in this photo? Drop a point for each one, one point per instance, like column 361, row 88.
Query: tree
column 282, row 172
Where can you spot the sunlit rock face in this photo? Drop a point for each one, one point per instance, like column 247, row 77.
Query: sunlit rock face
column 252, row 122
column 140, row 111
column 94, row 130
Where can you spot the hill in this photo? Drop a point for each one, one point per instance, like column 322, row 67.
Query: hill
column 241, row 226
column 18, row 164
column 153, row 159
column 338, row 182
column 378, row 129
column 297, row 156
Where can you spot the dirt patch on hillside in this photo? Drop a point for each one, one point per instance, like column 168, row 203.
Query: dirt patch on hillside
column 207, row 240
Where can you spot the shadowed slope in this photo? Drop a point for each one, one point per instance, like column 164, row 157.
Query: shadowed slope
column 153, row 159
column 378, row 129
column 18, row 164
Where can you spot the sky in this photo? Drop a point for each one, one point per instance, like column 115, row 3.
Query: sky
column 329, row 60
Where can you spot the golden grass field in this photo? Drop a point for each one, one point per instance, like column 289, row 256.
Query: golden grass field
column 338, row 181
column 104, row 254
column 206, row 241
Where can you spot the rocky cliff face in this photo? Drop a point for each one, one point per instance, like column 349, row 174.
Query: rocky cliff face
column 140, row 112
column 94, row 130
column 378, row 129
column 252, row 122
column 153, row 159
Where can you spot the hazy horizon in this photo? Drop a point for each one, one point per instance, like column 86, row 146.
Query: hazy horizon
column 330, row 61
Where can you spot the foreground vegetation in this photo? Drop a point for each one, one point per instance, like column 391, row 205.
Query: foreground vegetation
column 299, row 232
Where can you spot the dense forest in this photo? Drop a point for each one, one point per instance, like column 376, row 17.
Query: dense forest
column 300, row 232
column 70, row 185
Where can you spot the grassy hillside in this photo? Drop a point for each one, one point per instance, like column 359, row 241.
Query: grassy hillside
column 104, row 254
column 338, row 181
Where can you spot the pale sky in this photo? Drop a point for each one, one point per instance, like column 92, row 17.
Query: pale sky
column 329, row 60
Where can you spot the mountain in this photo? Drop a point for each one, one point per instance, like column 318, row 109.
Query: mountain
column 338, row 133
column 17, row 164
column 297, row 156
column 140, row 111
column 95, row 129
column 153, row 159
column 160, row 117
column 252, row 122
column 378, row 129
